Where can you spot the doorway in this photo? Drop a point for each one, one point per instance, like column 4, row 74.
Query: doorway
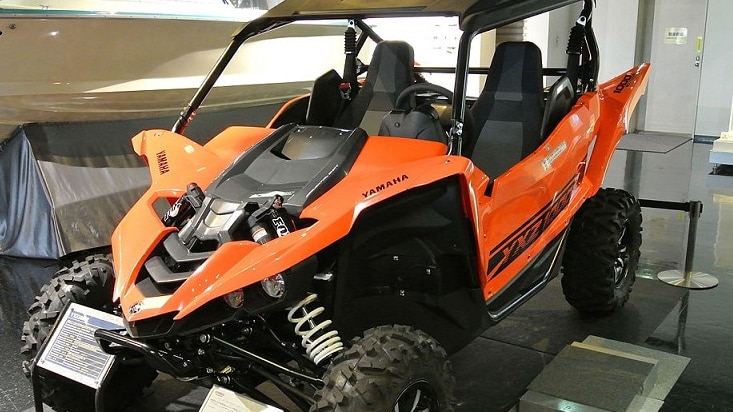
column 675, row 44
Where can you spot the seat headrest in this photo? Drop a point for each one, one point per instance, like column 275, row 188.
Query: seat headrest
column 516, row 66
column 390, row 71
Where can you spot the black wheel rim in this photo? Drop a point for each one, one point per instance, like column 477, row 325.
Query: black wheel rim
column 418, row 396
column 621, row 264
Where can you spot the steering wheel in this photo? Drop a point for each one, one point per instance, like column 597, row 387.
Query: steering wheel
column 422, row 121
column 421, row 87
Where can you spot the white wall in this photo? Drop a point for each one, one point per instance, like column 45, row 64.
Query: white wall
column 615, row 22
column 561, row 21
column 716, row 82
column 615, row 25
column 536, row 30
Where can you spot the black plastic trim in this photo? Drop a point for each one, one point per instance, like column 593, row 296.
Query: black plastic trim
column 307, row 178
column 180, row 253
column 543, row 268
column 161, row 274
column 412, row 259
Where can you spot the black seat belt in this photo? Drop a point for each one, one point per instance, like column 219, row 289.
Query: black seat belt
column 349, row 87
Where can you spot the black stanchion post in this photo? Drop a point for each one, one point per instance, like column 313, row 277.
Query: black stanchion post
column 37, row 401
column 687, row 278
column 99, row 394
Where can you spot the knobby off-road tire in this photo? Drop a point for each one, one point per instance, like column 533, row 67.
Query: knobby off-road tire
column 389, row 366
column 602, row 253
column 88, row 283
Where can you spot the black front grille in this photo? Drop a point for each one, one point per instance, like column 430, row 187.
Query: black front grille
column 147, row 328
column 170, row 265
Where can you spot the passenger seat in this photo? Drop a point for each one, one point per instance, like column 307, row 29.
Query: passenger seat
column 508, row 113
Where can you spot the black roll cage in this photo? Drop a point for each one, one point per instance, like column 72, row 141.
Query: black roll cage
column 582, row 68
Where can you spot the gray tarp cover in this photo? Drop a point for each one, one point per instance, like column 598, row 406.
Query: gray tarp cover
column 61, row 194
column 24, row 200
column 65, row 186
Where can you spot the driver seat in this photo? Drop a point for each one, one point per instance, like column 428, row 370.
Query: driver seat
column 391, row 70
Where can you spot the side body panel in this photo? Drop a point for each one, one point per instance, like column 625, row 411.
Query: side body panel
column 532, row 203
column 520, row 212
column 618, row 98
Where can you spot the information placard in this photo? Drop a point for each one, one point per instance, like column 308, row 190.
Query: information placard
column 675, row 35
column 71, row 350
column 223, row 400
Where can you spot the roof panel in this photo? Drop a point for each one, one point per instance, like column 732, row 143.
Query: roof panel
column 371, row 8
column 465, row 9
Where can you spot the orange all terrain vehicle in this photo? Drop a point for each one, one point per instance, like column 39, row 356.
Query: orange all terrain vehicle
column 376, row 226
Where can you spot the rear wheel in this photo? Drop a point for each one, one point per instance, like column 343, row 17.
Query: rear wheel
column 390, row 368
column 88, row 283
column 602, row 254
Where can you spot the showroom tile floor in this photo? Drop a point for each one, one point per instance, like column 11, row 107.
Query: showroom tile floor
column 494, row 370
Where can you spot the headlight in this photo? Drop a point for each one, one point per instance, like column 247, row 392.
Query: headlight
column 235, row 299
column 274, row 286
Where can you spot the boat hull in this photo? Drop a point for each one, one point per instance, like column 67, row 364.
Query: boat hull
column 63, row 68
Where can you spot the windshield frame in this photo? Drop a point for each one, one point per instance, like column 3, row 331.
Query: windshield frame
column 475, row 17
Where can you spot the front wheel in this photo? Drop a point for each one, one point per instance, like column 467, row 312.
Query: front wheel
column 390, row 368
column 602, row 253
